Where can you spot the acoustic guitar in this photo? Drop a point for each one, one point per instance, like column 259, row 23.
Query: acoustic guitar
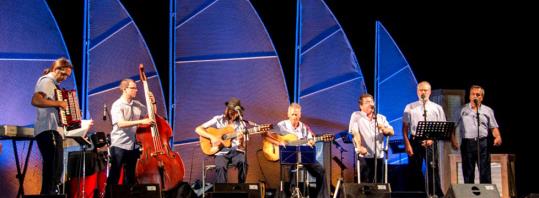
column 226, row 134
column 271, row 150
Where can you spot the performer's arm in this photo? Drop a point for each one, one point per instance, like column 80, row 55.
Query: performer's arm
column 201, row 130
column 497, row 137
column 407, row 145
column 39, row 100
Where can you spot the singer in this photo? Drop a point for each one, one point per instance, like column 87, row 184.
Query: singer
column 233, row 155
column 473, row 134
column 422, row 110
column 369, row 129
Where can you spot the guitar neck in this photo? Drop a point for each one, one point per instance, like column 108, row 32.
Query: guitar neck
column 237, row 133
column 304, row 141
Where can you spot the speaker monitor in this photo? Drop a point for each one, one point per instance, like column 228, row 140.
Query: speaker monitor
column 365, row 190
column 44, row 196
column 137, row 191
column 250, row 190
column 472, row 190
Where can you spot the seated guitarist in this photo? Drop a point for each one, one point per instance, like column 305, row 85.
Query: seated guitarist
column 232, row 155
column 302, row 131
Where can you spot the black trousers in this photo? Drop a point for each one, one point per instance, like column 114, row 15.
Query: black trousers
column 234, row 157
column 317, row 171
column 367, row 170
column 415, row 164
column 468, row 152
column 51, row 146
column 128, row 159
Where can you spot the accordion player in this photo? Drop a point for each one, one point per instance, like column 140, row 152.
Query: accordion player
column 70, row 118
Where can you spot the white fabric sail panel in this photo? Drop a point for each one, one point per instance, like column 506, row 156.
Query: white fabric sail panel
column 116, row 49
column 30, row 42
column 330, row 79
column 223, row 50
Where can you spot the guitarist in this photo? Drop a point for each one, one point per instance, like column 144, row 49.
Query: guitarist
column 295, row 126
column 234, row 154
column 362, row 127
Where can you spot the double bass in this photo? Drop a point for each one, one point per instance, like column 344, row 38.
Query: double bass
column 157, row 164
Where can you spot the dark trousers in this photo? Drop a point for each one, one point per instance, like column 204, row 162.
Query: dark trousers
column 317, row 171
column 415, row 164
column 128, row 159
column 234, row 157
column 367, row 170
column 51, row 146
column 468, row 152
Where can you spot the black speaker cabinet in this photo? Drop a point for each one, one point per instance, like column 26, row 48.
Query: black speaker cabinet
column 44, row 196
column 137, row 191
column 472, row 190
column 365, row 190
column 249, row 190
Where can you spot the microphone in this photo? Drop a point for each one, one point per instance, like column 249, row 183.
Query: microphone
column 104, row 111
column 423, row 97
column 238, row 109
column 476, row 102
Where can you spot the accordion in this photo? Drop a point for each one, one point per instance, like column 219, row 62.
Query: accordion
column 70, row 118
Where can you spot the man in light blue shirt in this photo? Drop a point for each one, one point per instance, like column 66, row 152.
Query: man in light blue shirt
column 47, row 132
column 126, row 114
column 369, row 130
column 469, row 129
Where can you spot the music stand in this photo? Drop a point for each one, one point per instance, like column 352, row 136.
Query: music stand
column 297, row 155
column 433, row 130
column 78, row 135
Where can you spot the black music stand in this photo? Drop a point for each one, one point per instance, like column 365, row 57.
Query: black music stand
column 296, row 155
column 433, row 130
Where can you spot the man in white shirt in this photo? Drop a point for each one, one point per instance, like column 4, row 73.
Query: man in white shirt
column 369, row 131
column 293, row 125
column 421, row 110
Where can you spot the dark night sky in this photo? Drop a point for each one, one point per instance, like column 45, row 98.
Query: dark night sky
column 450, row 45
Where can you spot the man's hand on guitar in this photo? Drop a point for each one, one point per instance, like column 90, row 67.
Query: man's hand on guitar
column 216, row 141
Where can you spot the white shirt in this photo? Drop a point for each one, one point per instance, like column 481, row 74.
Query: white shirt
column 413, row 113
column 362, row 124
column 220, row 122
column 121, row 110
column 47, row 118
column 467, row 123
column 302, row 131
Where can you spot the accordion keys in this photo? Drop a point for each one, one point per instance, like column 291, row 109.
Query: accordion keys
column 70, row 117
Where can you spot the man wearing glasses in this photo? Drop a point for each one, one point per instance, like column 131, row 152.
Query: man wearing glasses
column 473, row 134
column 126, row 113
column 46, row 128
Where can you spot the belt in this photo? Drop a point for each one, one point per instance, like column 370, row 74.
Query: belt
column 474, row 139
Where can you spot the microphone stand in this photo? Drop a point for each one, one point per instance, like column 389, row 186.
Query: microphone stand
column 376, row 130
column 427, row 186
column 477, row 142
column 245, row 140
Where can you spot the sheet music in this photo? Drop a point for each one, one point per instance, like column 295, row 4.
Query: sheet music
column 80, row 132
